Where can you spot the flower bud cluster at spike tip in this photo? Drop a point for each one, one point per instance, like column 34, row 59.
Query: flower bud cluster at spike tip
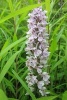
column 37, row 51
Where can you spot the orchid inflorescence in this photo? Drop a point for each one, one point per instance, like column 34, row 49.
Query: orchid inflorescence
column 37, row 51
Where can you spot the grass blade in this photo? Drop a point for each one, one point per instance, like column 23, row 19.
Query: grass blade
column 24, row 85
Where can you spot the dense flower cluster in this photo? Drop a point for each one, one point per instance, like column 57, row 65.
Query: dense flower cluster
column 37, row 51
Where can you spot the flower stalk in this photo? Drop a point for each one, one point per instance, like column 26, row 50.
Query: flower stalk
column 37, row 51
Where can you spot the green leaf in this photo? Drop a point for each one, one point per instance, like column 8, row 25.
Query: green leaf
column 58, row 63
column 5, row 45
column 11, row 46
column 47, row 2
column 3, row 12
column 57, row 10
column 59, row 20
column 8, row 65
column 23, row 16
column 10, row 5
column 66, row 50
column 6, row 29
column 64, row 97
column 24, row 74
column 15, row 39
column 2, row 95
column 53, row 46
column 30, row 1
column 60, row 34
column 48, row 98
column 20, row 11
column 57, row 28
column 12, row 99
column 9, row 84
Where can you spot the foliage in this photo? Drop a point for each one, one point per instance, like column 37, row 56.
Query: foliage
column 13, row 28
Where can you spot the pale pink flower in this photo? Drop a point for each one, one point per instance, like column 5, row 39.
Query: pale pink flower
column 45, row 77
column 40, row 66
column 40, row 39
column 32, row 62
column 39, row 70
column 37, row 51
column 40, row 84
